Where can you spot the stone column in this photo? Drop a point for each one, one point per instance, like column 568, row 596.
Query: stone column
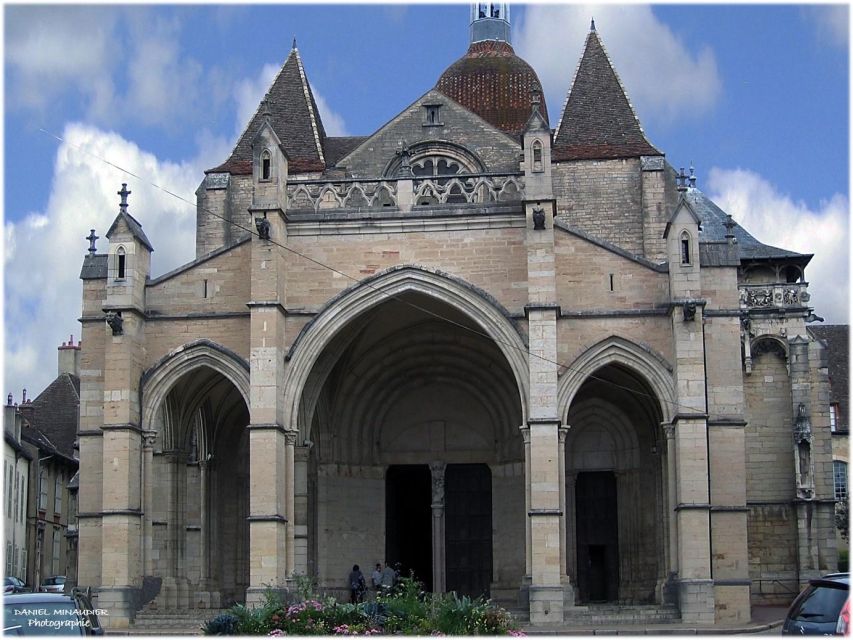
column 437, row 470
column 289, row 495
column 148, row 440
column 564, row 577
column 300, row 500
column 671, row 521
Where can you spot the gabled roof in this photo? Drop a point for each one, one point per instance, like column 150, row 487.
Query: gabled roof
column 597, row 120
column 293, row 116
column 133, row 225
column 714, row 229
column 837, row 339
column 683, row 204
column 54, row 415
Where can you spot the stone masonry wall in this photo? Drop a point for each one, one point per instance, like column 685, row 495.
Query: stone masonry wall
column 772, row 523
column 603, row 198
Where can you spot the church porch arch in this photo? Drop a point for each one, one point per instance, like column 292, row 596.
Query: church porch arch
column 195, row 411
column 406, row 374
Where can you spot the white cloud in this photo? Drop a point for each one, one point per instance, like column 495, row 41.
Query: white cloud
column 333, row 122
column 833, row 23
column 778, row 220
column 682, row 85
column 45, row 249
column 50, row 48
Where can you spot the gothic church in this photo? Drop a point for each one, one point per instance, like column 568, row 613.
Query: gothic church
column 523, row 359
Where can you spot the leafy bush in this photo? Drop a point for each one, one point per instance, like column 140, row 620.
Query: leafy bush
column 406, row 610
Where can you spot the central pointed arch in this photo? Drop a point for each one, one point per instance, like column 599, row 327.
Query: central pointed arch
column 488, row 314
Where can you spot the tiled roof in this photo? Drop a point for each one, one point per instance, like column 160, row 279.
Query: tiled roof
column 17, row 446
column 94, row 267
column 134, row 226
column 714, row 230
column 597, row 119
column 54, row 415
column 337, row 148
column 294, row 118
column 494, row 83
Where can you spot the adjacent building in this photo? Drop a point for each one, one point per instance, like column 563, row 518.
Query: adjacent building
column 525, row 359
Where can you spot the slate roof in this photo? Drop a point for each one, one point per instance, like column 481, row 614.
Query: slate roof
column 294, row 118
column 135, row 228
column 837, row 339
column 714, row 230
column 494, row 83
column 10, row 440
column 598, row 121
column 337, row 148
column 53, row 416
column 94, row 266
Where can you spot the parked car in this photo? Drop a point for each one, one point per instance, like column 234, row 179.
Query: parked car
column 53, row 584
column 11, row 584
column 56, row 614
column 823, row 608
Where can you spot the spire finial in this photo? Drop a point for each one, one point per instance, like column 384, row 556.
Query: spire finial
column 123, row 193
column 294, row 42
column 592, row 25
column 265, row 109
column 692, row 177
column 535, row 97
column 91, row 238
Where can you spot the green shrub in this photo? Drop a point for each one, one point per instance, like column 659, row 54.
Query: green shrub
column 224, row 624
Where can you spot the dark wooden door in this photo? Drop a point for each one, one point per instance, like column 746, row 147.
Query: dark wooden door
column 597, row 536
column 408, row 520
column 468, row 529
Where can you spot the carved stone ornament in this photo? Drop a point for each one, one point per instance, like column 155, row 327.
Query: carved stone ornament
column 802, row 426
column 538, row 218
column 116, row 322
column 263, row 227
column 438, row 482
column 768, row 346
column 689, row 309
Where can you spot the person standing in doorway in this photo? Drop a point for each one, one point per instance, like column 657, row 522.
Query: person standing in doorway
column 356, row 584
column 376, row 576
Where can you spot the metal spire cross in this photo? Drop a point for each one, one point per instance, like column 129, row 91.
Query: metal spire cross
column 123, row 193
column 91, row 238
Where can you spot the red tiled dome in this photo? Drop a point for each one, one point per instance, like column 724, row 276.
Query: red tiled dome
column 494, row 83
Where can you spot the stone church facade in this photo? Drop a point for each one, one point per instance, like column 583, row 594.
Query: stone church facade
column 529, row 361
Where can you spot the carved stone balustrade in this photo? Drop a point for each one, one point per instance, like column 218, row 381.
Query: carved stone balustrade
column 320, row 195
column 774, row 296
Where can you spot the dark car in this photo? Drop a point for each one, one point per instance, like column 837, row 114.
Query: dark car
column 11, row 584
column 823, row 608
column 53, row 584
column 50, row 614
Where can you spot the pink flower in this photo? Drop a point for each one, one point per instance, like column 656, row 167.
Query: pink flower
column 276, row 632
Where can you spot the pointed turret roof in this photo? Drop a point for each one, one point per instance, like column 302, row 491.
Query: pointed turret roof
column 598, row 121
column 293, row 116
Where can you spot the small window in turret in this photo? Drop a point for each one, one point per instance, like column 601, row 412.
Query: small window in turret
column 537, row 156
column 685, row 248
column 121, row 260
column 266, row 165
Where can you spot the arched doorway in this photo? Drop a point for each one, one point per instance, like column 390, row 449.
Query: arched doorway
column 197, row 479
column 401, row 399
column 616, row 540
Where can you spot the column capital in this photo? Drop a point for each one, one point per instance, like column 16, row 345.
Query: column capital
column 290, row 437
column 668, row 429
column 525, row 433
column 149, row 437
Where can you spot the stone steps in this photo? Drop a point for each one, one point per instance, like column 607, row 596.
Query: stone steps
column 181, row 622
column 594, row 615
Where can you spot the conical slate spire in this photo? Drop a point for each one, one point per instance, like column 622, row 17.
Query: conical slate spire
column 292, row 112
column 598, row 121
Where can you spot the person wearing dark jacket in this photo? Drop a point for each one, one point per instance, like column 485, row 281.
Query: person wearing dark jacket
column 357, row 585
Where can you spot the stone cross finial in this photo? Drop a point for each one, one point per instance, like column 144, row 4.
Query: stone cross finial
column 730, row 225
column 692, row 177
column 123, row 193
column 681, row 180
column 265, row 109
column 91, row 238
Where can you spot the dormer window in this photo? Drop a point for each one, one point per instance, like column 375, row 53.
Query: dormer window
column 266, row 165
column 685, row 248
column 432, row 115
column 537, row 155
column 121, row 263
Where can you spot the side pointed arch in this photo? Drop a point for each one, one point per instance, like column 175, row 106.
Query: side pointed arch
column 643, row 360
column 488, row 314
column 159, row 379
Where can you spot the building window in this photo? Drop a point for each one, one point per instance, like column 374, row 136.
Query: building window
column 432, row 115
column 10, row 555
column 833, row 417
column 685, row 248
column 537, row 155
column 23, row 499
column 23, row 572
column 121, row 262
column 17, row 493
column 839, row 473
column 43, row 490
column 57, row 495
column 266, row 165
column 7, row 472
column 54, row 567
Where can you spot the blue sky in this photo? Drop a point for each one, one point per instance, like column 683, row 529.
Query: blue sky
column 756, row 97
